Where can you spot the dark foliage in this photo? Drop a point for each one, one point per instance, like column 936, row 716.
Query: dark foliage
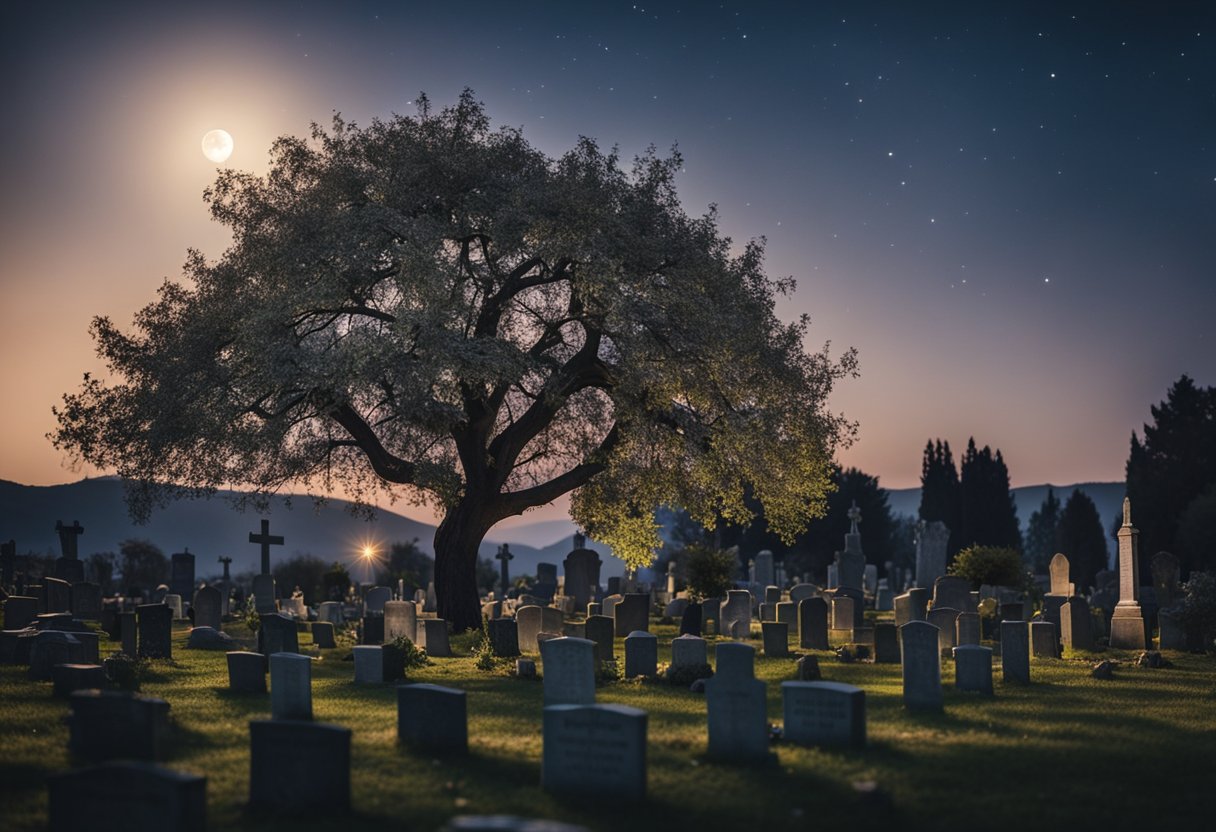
column 1043, row 534
column 1082, row 540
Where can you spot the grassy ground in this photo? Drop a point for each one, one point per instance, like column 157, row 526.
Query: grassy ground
column 1134, row 752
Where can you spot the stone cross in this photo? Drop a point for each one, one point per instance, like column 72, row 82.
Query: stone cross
column 266, row 539
column 504, row 555
column 854, row 517
column 67, row 537
column 226, row 562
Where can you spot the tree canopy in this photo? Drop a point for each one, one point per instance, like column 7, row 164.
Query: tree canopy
column 437, row 310
column 1043, row 534
column 1082, row 540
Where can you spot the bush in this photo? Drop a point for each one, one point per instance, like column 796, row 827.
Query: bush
column 991, row 565
column 609, row 671
column 709, row 571
column 249, row 614
column 685, row 675
column 413, row 656
column 123, row 671
column 1197, row 612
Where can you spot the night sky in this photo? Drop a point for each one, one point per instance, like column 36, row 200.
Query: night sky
column 1009, row 210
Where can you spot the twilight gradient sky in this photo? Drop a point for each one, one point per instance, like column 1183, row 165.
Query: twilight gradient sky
column 1010, row 210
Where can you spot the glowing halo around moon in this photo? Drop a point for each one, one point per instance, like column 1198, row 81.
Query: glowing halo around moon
column 217, row 145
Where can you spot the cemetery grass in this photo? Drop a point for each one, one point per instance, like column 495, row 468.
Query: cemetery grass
column 1068, row 749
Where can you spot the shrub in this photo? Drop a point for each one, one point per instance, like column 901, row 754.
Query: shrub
column 413, row 655
column 685, row 675
column 991, row 565
column 709, row 571
column 1197, row 611
column 123, row 671
column 249, row 614
column 609, row 671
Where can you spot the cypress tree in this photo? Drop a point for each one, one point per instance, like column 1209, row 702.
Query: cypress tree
column 1043, row 534
column 1082, row 539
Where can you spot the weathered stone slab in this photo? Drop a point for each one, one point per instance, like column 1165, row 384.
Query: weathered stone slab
column 736, row 614
column 922, row 665
column 886, row 644
column 323, row 634
column 911, row 606
column 944, row 619
column 824, row 713
column 155, row 631
column 504, row 637
column 973, row 668
column 278, row 634
column 290, row 686
column 208, row 606
column 69, row 678
column 954, row 592
column 246, row 672
column 129, row 795
column 1076, row 624
column 51, row 647
column 641, row 654
column 264, row 595
column 735, row 704
column 1015, row 652
column 967, row 628
column 433, row 637
column 86, row 601
column 632, row 614
column 813, row 624
column 776, row 638
column 689, row 651
column 1044, row 642
column 432, row 718
column 400, row 619
column 597, row 750
column 369, row 664
column 298, row 767
column 690, row 621
column 568, row 665
column 111, row 725
column 528, row 621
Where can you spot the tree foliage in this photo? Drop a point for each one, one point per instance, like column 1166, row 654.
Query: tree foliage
column 1082, row 540
column 1043, row 534
column 991, row 565
column 335, row 583
column 709, row 572
column 939, row 491
column 408, row 563
column 1171, row 468
column 304, row 571
column 434, row 309
column 144, row 565
column 987, row 513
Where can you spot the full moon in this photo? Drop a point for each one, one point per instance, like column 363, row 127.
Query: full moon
column 217, row 145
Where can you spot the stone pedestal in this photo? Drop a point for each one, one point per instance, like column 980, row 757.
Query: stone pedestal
column 1127, row 629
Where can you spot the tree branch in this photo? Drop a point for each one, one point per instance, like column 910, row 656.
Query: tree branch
column 516, row 502
column 388, row 466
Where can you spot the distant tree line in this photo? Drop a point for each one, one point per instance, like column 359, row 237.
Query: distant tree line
column 973, row 500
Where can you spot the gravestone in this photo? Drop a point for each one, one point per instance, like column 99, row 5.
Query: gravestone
column 842, row 620
column 290, row 686
column 68, row 678
column 546, row 581
column 528, row 622
column 833, row 576
column 801, row 592
column 787, row 613
column 762, row 568
column 772, row 596
column 130, row 795
column 504, row 558
column 433, row 637
column 504, row 637
column 735, row 703
column 954, row 592
column 19, row 610
column 582, row 572
column 246, row 672
column 922, row 666
column 595, row 608
column 323, row 634
column 491, row 610
column 128, row 630
column 1044, row 643
column 181, row 574
column 568, row 665
column 967, row 628
column 641, row 654
column 824, row 713
column 330, row 611
column 372, row 629
column 1076, row 624
column 1127, row 625
column 51, row 647
column 768, row 612
column 1165, row 580
column 111, row 725
column 690, row 621
column 973, row 668
column 869, row 579
column 208, row 638
column 736, row 614
column 264, row 593
column 675, row 608
column 886, row 644
column 69, row 568
column 376, row 598
column 632, row 614
column 1012, row 611
column 433, row 719
column 58, row 595
column 86, row 601
column 597, row 750
column 944, row 619
column 551, row 620
column 207, row 606
column 601, row 630
column 155, row 631
column 911, row 606
column 369, row 664
column 278, row 634
column 884, row 598
column 1015, row 652
column 1171, row 633
column 689, row 651
column 813, row 624
column 931, row 540
column 711, row 616
column 1058, row 570
column 298, row 767
column 859, row 603
column 174, row 603
column 776, row 638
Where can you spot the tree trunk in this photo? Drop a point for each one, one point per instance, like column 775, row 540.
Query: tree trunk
column 456, row 542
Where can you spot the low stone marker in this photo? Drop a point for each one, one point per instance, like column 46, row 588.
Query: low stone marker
column 967, row 628
column 1015, row 652
column 207, row 607
column 641, row 654
column 290, row 686
column 735, row 704
column 400, row 619
column 278, row 634
column 139, row 795
column 49, row 648
column 922, row 666
column 155, row 631
column 375, row 599
column 298, row 767
column 432, row 718
column 246, row 672
column 69, row 678
column 776, row 638
column 787, row 613
column 1044, row 643
column 504, row 637
column 433, row 637
column 568, row 668
column 323, row 634
column 886, row 644
column 602, row 630
column 973, row 668
column 527, row 619
column 111, row 725
column 736, row 614
column 813, row 624
column 598, row 750
column 824, row 713
column 689, row 651
column 369, row 664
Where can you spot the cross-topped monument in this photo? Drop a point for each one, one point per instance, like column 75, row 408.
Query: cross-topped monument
column 854, row 517
column 226, row 561
column 67, row 537
column 266, row 539
column 504, row 555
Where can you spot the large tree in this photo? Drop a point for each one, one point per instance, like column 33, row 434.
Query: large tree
column 987, row 515
column 435, row 309
column 1082, row 540
column 939, row 491
column 1043, row 534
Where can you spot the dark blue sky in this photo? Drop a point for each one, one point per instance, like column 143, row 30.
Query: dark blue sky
column 1009, row 209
